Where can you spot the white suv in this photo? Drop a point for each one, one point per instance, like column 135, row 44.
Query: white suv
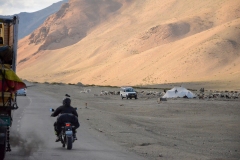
column 128, row 92
column 22, row 92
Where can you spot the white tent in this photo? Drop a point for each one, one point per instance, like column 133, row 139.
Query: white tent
column 179, row 92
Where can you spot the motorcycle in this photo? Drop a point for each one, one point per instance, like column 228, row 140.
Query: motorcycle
column 66, row 134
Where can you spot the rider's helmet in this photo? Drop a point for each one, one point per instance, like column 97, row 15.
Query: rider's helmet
column 67, row 100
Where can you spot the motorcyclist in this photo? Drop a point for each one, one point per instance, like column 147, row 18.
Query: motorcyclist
column 67, row 114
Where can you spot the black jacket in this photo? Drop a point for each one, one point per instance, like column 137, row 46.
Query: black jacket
column 64, row 109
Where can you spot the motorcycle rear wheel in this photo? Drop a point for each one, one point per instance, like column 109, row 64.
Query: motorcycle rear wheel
column 69, row 143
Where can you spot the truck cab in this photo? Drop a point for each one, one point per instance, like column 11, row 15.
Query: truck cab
column 9, row 38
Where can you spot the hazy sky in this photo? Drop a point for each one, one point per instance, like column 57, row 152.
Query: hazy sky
column 10, row 7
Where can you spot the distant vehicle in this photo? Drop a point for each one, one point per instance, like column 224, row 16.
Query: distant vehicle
column 22, row 92
column 128, row 92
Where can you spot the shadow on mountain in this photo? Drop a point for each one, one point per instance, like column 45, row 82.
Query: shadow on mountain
column 72, row 23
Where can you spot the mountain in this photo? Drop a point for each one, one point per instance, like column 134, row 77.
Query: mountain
column 31, row 21
column 127, row 42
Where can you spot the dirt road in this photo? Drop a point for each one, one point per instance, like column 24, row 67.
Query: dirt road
column 169, row 130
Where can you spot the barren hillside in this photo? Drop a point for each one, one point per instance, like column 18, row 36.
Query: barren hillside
column 136, row 42
column 31, row 21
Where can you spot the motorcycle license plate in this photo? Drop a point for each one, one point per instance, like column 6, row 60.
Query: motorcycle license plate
column 68, row 132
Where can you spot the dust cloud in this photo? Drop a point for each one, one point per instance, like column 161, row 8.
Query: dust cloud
column 26, row 144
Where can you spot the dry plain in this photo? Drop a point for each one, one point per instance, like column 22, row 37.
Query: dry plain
column 179, row 128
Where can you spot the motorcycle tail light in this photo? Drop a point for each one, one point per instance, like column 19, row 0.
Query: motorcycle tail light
column 68, row 124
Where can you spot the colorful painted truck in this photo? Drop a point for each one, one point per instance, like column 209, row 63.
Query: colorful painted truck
column 9, row 81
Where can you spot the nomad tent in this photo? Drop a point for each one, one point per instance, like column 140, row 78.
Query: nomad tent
column 179, row 92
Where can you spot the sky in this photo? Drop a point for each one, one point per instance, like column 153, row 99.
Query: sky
column 10, row 7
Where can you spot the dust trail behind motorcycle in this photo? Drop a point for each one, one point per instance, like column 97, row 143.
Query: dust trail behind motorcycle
column 27, row 144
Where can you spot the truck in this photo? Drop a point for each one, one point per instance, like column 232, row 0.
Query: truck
column 9, row 81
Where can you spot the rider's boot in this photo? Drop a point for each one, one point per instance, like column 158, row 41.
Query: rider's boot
column 74, row 135
column 58, row 137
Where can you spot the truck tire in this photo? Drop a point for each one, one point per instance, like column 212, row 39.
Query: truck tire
column 2, row 142
column 2, row 150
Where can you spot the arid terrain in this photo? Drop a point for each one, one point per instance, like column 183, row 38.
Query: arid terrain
column 135, row 42
column 184, row 129
column 89, row 48
column 138, row 43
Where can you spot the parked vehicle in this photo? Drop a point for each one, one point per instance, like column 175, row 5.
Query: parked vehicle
column 22, row 92
column 128, row 92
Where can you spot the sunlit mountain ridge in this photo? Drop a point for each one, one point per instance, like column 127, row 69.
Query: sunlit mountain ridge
column 127, row 42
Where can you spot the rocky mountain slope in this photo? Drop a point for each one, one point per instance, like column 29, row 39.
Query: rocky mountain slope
column 127, row 42
column 31, row 21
